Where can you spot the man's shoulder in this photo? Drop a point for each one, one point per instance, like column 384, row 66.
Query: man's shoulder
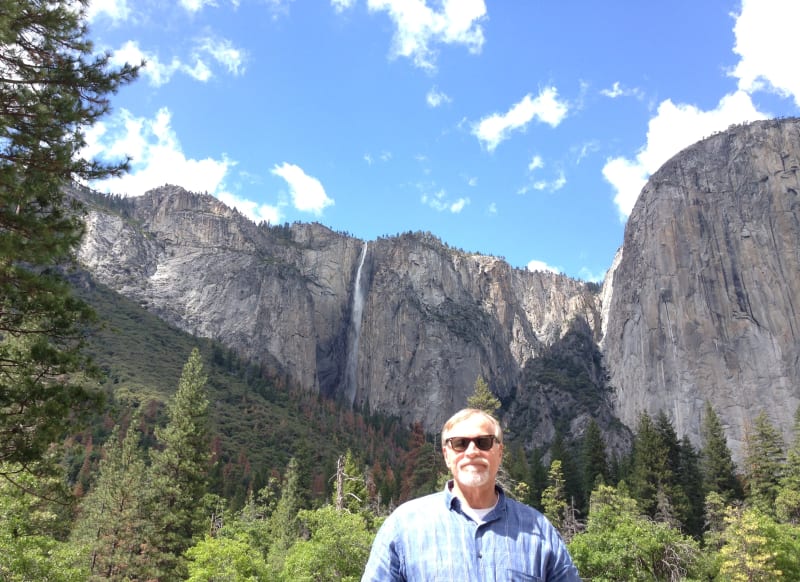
column 527, row 514
column 521, row 508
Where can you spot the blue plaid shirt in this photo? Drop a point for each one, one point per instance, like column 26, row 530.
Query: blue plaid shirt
column 431, row 538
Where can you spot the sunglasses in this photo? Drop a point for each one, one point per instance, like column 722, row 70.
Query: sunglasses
column 461, row 444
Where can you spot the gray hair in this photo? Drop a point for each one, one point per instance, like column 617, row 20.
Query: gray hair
column 466, row 413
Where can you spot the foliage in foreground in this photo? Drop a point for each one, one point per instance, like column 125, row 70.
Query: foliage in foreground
column 283, row 533
column 622, row 544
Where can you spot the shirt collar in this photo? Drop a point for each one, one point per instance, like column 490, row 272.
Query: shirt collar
column 452, row 501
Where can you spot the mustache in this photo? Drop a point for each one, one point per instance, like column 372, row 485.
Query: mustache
column 476, row 461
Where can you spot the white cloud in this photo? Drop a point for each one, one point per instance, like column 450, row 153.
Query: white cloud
column 587, row 275
column 495, row 128
column 673, row 128
column 159, row 73
column 535, row 265
column 558, row 183
column 435, row 200
column 307, row 192
column 493, row 208
column 384, row 156
column 435, row 98
column 439, row 202
column 553, row 185
column 419, row 27
column 116, row 10
column 223, row 51
column 196, row 5
column 587, row 148
column 156, row 156
column 628, row 178
column 459, row 205
column 342, row 5
column 614, row 92
column 617, row 90
column 277, row 8
column 253, row 210
column 766, row 32
column 157, row 159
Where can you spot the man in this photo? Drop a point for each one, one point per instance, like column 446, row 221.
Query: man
column 470, row 531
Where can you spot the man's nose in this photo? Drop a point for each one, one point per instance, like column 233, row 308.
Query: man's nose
column 472, row 448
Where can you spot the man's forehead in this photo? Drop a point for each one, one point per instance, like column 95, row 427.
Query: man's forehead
column 472, row 426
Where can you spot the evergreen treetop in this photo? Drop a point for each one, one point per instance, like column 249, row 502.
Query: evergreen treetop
column 482, row 398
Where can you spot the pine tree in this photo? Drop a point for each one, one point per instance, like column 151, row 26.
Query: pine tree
column 515, row 464
column 573, row 476
column 422, row 464
column 649, row 466
column 538, row 476
column 714, row 510
column 690, row 480
column 669, row 468
column 482, row 398
column 787, row 503
column 116, row 547
column 53, row 87
column 594, row 461
column 283, row 525
column 671, row 484
column 33, row 523
column 180, row 468
column 554, row 499
column 763, row 464
column 716, row 462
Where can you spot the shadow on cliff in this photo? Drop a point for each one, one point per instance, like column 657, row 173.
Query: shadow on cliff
column 560, row 392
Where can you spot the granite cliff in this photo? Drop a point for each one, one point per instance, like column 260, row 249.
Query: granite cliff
column 403, row 325
column 703, row 303
column 700, row 303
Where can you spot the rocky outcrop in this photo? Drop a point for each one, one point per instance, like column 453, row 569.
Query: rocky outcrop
column 432, row 318
column 705, row 298
column 436, row 318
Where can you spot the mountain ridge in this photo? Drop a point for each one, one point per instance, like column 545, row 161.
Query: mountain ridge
column 434, row 318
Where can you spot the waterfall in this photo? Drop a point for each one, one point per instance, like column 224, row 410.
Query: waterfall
column 351, row 371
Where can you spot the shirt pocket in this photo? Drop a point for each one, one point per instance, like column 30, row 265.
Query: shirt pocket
column 517, row 576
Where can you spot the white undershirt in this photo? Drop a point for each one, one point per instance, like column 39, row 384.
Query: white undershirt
column 477, row 515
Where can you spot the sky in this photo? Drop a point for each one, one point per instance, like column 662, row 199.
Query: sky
column 523, row 129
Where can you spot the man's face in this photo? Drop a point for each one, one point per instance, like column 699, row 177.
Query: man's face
column 472, row 467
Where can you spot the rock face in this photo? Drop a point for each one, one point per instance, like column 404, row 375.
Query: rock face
column 704, row 300
column 701, row 303
column 432, row 319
